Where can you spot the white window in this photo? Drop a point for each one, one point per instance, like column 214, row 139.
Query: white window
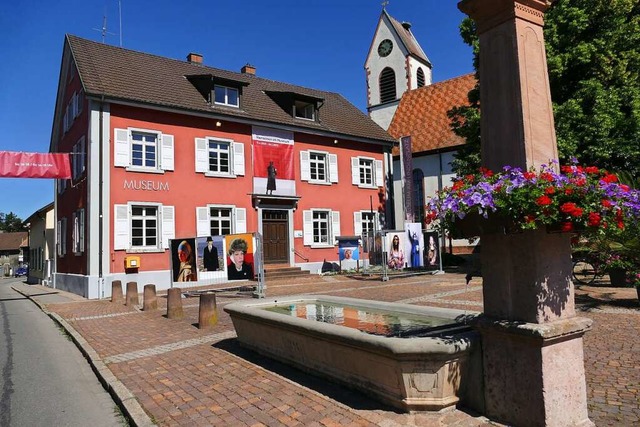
column 364, row 223
column 217, row 220
column 320, row 226
column 78, row 231
column 61, row 237
column 143, row 150
column 78, row 158
column 318, row 167
column 219, row 157
column 224, row 95
column 366, row 172
column 304, row 110
column 143, row 227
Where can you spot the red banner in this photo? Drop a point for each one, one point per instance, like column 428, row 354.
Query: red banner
column 14, row 164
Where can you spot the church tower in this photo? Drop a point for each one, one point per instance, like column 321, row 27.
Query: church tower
column 395, row 64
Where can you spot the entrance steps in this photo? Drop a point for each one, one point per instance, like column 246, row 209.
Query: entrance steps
column 283, row 271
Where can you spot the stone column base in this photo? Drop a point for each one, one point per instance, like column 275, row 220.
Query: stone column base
column 534, row 373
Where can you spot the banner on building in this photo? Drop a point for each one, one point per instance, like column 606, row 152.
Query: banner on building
column 415, row 244
column 273, row 167
column 407, row 177
column 14, row 164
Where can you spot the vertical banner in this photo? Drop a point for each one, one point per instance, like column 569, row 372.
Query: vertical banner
column 15, row 164
column 431, row 251
column 273, row 167
column 239, row 256
column 406, row 159
column 183, row 260
column 415, row 244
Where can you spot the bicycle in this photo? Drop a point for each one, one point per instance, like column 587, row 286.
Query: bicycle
column 586, row 267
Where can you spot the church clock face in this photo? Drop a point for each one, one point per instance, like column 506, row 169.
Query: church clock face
column 385, row 47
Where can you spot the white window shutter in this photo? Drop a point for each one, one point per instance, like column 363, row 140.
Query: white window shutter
column 241, row 220
column 202, row 156
column 307, row 226
column 355, row 171
column 166, row 162
column 81, row 243
column 335, row 226
column 168, row 225
column 59, row 237
column 203, row 227
column 64, row 236
column 379, row 175
column 305, row 170
column 121, row 148
column 357, row 223
column 75, row 236
column 238, row 158
column 333, row 167
column 120, row 227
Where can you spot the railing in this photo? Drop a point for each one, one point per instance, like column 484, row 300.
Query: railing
column 300, row 255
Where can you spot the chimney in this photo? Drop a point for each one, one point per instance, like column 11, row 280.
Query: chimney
column 248, row 69
column 196, row 58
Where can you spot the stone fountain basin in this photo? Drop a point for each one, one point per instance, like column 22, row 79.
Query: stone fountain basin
column 411, row 374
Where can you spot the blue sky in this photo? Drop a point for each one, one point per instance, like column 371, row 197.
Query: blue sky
column 314, row 43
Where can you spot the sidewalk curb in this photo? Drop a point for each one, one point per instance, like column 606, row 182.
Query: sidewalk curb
column 126, row 401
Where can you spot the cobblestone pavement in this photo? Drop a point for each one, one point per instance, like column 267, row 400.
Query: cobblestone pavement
column 182, row 375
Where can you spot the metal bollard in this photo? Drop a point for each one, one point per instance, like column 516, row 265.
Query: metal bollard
column 116, row 291
column 174, row 304
column 132, row 294
column 150, row 301
column 208, row 313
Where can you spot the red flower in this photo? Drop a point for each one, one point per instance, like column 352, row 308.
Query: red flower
column 566, row 169
column 577, row 212
column 543, row 200
column 579, row 181
column 457, row 185
column 546, row 176
column 609, row 178
column 567, row 226
column 529, row 218
column 529, row 175
column 486, row 172
column 624, row 187
column 606, row 203
column 591, row 169
column 568, row 207
column 594, row 219
column 568, row 191
column 549, row 190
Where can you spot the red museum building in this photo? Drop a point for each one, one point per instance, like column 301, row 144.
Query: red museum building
column 165, row 149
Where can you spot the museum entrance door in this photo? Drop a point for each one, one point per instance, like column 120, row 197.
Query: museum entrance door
column 275, row 236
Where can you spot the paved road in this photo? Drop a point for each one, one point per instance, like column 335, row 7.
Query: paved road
column 44, row 380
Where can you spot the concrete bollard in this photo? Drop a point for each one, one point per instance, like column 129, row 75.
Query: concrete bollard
column 150, row 301
column 132, row 294
column 208, row 313
column 174, row 304
column 116, row 291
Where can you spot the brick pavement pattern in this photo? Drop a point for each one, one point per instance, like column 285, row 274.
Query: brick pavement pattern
column 182, row 375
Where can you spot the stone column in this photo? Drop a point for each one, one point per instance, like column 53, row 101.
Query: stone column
column 208, row 312
column 174, row 304
column 150, row 301
column 531, row 337
column 116, row 291
column 132, row 294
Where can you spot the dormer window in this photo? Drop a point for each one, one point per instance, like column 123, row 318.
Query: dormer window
column 304, row 110
column 225, row 95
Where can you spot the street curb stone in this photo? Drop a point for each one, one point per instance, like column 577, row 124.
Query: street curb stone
column 125, row 400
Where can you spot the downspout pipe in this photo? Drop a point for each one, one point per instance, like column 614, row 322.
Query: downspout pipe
column 100, row 204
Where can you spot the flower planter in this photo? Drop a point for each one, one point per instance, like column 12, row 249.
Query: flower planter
column 473, row 225
column 618, row 276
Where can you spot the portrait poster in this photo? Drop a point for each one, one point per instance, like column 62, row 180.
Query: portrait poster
column 210, row 252
column 431, row 250
column 415, row 244
column 395, row 244
column 348, row 250
column 273, row 163
column 183, row 260
column 239, row 256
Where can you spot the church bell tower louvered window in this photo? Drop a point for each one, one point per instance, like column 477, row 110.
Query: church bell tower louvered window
column 387, row 85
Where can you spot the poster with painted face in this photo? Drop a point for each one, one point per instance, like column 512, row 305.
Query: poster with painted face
column 210, row 253
column 183, row 260
column 395, row 241
column 240, row 256
column 431, row 251
column 415, row 244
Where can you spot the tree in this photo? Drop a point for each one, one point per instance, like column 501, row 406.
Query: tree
column 593, row 55
column 10, row 222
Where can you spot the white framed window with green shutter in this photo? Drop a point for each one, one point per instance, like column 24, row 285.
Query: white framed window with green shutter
column 318, row 167
column 366, row 172
column 143, row 150
column 219, row 157
column 61, row 237
column 78, row 231
column 320, row 227
column 220, row 220
column 143, row 227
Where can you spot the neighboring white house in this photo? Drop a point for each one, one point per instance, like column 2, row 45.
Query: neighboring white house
column 41, row 242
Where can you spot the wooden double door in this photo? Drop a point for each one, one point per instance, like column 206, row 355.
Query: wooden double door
column 275, row 236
